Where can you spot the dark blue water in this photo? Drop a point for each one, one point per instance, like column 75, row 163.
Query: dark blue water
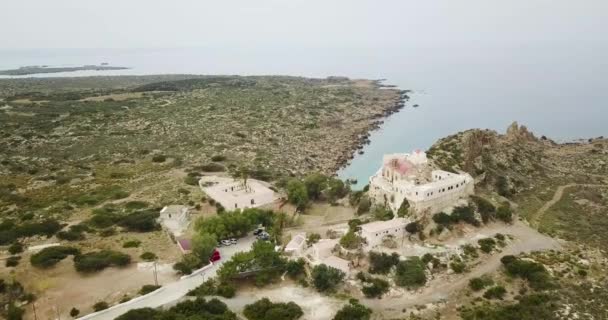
column 558, row 90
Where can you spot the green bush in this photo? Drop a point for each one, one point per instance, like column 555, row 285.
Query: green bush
column 382, row 263
column 131, row 244
column 486, row 209
column 353, row 311
column 374, row 287
column 50, row 256
column 147, row 289
column 159, row 158
column 410, row 273
column 264, row 309
column 403, row 209
column 74, row 312
column 538, row 277
column 70, row 235
column 326, row 278
column 12, row 261
column 383, row 213
column 487, row 244
column 144, row 221
column 15, row 248
column 458, row 266
column 351, row 240
column 505, row 213
column 365, row 204
column 213, row 167
column 295, row 268
column 496, row 292
column 101, row 305
column 218, row 158
column 148, row 256
column 477, row 284
column 192, row 181
column 99, row 260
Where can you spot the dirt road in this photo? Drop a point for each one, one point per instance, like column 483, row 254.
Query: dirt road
column 557, row 196
column 526, row 240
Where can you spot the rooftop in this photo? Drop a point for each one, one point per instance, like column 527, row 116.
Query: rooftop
column 296, row 242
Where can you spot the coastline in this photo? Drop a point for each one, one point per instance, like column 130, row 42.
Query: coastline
column 376, row 122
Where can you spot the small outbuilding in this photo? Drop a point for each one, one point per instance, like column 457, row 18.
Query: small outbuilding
column 296, row 246
column 375, row 232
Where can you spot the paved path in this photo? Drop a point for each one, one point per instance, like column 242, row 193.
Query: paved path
column 175, row 290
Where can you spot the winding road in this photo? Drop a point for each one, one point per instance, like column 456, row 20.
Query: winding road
column 175, row 290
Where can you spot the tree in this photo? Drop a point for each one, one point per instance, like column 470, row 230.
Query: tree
column 203, row 245
column 383, row 213
column 297, row 194
column 336, row 189
column 264, row 309
column 364, row 205
column 326, row 278
column 351, row 240
column 295, row 268
column 315, row 184
column 353, row 311
column 410, row 273
column 413, row 227
column 403, row 208
column 101, row 305
column 382, row 263
column 313, row 238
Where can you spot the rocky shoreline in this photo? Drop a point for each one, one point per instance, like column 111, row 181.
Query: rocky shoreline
column 377, row 120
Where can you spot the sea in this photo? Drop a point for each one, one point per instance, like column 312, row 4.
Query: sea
column 555, row 89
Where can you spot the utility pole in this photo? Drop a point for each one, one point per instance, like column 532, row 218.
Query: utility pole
column 155, row 274
column 34, row 309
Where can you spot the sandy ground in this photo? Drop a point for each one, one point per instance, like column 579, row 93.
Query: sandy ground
column 315, row 305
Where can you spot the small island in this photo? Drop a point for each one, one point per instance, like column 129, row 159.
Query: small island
column 28, row 70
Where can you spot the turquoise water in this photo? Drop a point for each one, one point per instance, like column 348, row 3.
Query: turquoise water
column 557, row 90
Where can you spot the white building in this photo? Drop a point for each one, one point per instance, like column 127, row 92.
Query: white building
column 236, row 194
column 375, row 232
column 296, row 246
column 175, row 219
column 409, row 176
column 338, row 263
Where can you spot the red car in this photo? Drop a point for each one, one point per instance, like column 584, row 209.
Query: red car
column 215, row 256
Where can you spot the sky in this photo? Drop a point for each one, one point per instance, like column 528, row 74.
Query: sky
column 28, row 24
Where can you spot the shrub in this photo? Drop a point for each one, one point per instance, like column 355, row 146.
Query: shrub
column 410, row 273
column 131, row 244
column 101, row 305
column 295, row 268
column 70, row 235
column 505, row 213
column 264, row 309
column 97, row 261
column 50, row 256
column 15, row 248
column 497, row 292
column 313, row 238
column 365, row 204
column 382, row 263
column 403, row 209
column 534, row 272
column 213, row 167
column 74, row 313
column 148, row 256
column 144, row 221
column 375, row 287
column 140, row 314
column 226, row 290
column 297, row 194
column 413, row 227
column 218, row 158
column 193, row 181
column 326, row 278
column 12, row 261
column 458, row 266
column 353, row 311
column 382, row 213
column 477, row 284
column 159, row 158
column 147, row 289
column 487, row 244
column 486, row 209
column 350, row 240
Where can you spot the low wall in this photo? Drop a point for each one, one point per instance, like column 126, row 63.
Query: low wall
column 197, row 272
column 94, row 314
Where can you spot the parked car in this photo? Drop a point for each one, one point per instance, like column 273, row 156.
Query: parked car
column 233, row 241
column 226, row 242
column 215, row 256
column 257, row 231
column 263, row 236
